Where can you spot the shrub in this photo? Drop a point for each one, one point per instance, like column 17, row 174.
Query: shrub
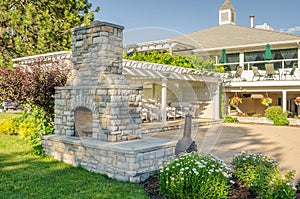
column 195, row 176
column 8, row 125
column 273, row 111
column 32, row 125
column 34, row 84
column 276, row 114
column 261, row 174
column 230, row 119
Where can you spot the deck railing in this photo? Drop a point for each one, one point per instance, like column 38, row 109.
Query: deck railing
column 280, row 66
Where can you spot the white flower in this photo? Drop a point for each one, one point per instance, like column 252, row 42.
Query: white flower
column 232, row 182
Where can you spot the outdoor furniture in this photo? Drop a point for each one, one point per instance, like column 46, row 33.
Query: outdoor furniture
column 238, row 73
column 290, row 73
column 270, row 72
column 256, row 73
column 145, row 114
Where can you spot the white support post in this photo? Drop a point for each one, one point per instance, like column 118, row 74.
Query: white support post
column 164, row 102
column 299, row 57
column 284, row 105
column 216, row 99
column 242, row 58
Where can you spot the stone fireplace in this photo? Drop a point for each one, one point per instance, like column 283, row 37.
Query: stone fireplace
column 97, row 114
column 98, row 101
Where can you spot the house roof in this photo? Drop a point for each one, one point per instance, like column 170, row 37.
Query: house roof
column 226, row 5
column 236, row 38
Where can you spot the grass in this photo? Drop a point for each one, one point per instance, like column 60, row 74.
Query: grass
column 24, row 175
column 9, row 114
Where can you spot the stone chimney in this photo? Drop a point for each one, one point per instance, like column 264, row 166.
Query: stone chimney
column 98, row 102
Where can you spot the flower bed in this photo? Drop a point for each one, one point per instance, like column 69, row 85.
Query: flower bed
column 201, row 176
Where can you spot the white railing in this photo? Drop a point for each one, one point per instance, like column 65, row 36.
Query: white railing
column 247, row 74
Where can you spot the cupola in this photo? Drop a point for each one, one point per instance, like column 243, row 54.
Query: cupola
column 227, row 14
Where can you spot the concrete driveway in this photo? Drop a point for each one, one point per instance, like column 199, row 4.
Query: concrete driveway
column 226, row 139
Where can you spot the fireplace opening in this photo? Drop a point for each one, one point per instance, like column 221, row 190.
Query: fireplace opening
column 83, row 122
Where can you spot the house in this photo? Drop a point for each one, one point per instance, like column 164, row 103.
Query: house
column 245, row 47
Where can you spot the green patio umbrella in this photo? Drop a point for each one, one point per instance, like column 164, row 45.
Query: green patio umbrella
column 268, row 53
column 224, row 58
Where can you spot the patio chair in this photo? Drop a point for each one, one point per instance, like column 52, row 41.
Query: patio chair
column 270, row 72
column 291, row 73
column 238, row 73
column 256, row 73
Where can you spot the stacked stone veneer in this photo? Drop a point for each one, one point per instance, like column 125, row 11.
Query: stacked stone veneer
column 97, row 114
column 132, row 161
column 97, row 84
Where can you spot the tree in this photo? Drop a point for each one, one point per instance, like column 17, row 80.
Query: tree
column 29, row 27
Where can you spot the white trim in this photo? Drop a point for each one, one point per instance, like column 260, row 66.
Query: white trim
column 262, row 45
column 59, row 53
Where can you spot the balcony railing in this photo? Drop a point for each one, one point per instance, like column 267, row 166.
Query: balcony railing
column 281, row 67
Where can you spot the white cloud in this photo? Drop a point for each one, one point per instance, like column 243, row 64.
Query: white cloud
column 293, row 30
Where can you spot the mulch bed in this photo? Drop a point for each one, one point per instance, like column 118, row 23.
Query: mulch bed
column 151, row 186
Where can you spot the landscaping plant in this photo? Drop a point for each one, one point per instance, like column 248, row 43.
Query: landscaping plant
column 230, row 119
column 195, row 176
column 32, row 125
column 261, row 174
column 186, row 61
column 34, row 87
column 276, row 114
column 8, row 125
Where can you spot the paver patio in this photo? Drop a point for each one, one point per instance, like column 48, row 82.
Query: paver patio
column 226, row 139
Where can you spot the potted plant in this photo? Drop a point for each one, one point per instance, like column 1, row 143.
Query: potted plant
column 266, row 101
column 297, row 101
column 234, row 101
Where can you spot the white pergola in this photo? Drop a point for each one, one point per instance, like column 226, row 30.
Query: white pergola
column 141, row 71
column 160, row 46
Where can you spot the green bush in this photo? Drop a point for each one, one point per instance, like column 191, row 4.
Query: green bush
column 230, row 119
column 186, row 61
column 261, row 174
column 195, row 176
column 8, row 125
column 32, row 125
column 276, row 114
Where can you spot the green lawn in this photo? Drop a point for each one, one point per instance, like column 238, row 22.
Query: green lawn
column 24, row 175
column 9, row 114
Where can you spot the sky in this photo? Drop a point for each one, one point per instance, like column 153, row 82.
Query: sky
column 147, row 20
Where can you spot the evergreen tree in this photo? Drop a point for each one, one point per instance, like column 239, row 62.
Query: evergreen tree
column 29, row 27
